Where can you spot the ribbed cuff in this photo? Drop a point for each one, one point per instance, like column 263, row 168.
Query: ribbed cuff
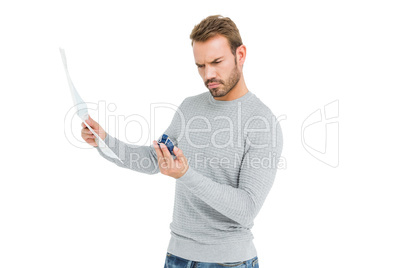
column 108, row 140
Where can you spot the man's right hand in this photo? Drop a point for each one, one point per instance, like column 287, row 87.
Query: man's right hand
column 87, row 135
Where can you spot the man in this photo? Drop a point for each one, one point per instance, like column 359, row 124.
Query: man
column 227, row 145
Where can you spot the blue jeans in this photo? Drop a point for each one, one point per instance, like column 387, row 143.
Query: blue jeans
column 173, row 261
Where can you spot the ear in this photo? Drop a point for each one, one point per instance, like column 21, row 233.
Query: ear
column 241, row 54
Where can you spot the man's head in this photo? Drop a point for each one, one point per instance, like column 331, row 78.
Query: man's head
column 219, row 53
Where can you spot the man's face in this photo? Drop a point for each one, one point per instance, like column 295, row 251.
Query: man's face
column 216, row 65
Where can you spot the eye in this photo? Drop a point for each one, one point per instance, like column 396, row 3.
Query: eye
column 217, row 61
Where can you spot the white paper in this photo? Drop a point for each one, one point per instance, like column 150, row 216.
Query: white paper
column 82, row 111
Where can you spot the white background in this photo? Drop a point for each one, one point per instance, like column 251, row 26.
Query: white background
column 63, row 205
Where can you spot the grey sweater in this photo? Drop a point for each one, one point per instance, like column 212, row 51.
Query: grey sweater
column 233, row 149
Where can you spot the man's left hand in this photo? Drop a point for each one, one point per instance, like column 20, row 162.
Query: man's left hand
column 167, row 165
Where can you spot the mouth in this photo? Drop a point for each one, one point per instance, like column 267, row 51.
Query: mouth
column 213, row 85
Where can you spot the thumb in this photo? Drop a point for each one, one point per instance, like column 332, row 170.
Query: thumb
column 178, row 152
column 92, row 123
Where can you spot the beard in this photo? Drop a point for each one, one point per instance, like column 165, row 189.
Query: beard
column 225, row 86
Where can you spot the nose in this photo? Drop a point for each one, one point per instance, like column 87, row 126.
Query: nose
column 210, row 73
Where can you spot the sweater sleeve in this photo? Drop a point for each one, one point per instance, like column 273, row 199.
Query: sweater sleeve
column 134, row 157
column 141, row 158
column 256, row 177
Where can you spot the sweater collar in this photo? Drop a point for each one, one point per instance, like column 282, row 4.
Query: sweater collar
column 232, row 102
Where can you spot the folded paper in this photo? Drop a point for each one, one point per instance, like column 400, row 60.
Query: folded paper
column 82, row 111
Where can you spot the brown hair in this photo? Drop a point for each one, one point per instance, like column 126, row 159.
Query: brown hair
column 217, row 24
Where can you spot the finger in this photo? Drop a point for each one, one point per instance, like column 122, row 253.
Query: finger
column 177, row 151
column 88, row 136
column 86, row 131
column 158, row 153
column 91, row 141
column 94, row 125
column 88, row 121
column 179, row 154
column 166, row 154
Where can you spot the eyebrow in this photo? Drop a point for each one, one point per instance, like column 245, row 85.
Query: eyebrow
column 200, row 65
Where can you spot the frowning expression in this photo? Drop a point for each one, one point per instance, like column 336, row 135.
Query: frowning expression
column 217, row 65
